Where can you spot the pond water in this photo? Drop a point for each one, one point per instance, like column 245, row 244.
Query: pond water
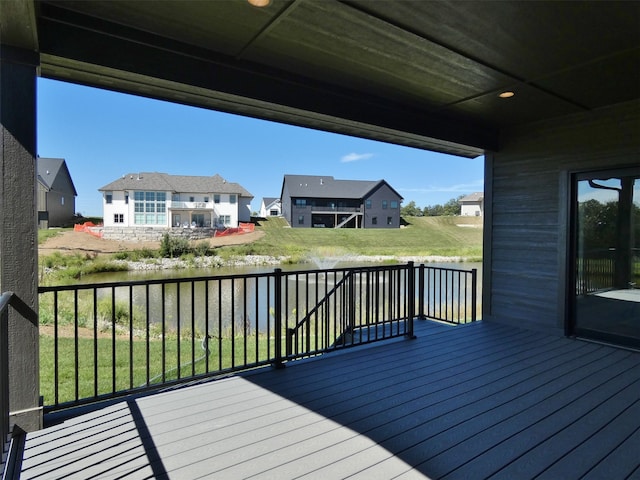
column 136, row 275
column 243, row 302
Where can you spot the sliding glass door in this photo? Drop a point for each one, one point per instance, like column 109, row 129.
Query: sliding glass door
column 606, row 259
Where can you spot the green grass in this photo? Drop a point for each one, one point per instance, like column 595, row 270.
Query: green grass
column 45, row 234
column 422, row 236
column 219, row 359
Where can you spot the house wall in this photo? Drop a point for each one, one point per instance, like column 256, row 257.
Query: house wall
column 285, row 199
column 61, row 201
column 43, row 215
column 376, row 210
column 118, row 205
column 471, row 209
column 61, row 207
column 527, row 190
column 239, row 211
column 244, row 209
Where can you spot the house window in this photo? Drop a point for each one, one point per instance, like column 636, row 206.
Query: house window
column 374, row 220
column 224, row 220
column 206, row 199
column 389, row 220
column 232, row 199
column 61, row 200
column 300, row 219
column 150, row 208
column 108, row 197
column 126, row 198
column 192, row 199
column 384, row 204
column 301, row 202
column 394, row 204
column 216, row 198
column 118, row 218
column 367, row 203
column 273, row 213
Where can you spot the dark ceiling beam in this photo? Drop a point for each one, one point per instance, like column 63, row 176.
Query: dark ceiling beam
column 68, row 35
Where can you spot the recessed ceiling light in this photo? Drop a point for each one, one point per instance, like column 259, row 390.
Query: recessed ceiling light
column 506, row 94
column 259, row 3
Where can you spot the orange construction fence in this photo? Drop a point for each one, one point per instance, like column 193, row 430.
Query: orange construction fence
column 88, row 227
column 242, row 228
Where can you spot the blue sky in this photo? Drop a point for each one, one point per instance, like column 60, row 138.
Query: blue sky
column 102, row 135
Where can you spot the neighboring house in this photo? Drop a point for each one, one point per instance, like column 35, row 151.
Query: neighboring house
column 270, row 207
column 472, row 205
column 56, row 193
column 162, row 201
column 321, row 201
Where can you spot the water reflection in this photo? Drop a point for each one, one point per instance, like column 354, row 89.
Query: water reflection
column 222, row 305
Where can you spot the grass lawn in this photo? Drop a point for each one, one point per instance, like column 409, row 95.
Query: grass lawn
column 422, row 236
column 131, row 375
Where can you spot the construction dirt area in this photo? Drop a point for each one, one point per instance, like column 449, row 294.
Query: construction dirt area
column 81, row 242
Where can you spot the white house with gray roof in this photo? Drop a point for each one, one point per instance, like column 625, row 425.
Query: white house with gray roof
column 472, row 205
column 311, row 201
column 160, row 200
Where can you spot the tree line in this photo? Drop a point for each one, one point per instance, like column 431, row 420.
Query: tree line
column 451, row 207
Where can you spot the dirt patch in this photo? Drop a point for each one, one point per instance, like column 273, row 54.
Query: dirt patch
column 81, row 242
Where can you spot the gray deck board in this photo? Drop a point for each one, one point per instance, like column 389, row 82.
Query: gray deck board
column 476, row 401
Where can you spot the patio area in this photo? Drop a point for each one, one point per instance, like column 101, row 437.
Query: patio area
column 476, row 401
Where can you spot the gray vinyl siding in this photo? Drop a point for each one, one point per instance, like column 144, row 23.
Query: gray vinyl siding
column 377, row 196
column 527, row 201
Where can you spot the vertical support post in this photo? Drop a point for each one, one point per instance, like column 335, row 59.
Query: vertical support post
column 411, row 299
column 474, row 293
column 351, row 313
column 421, row 314
column 18, row 228
column 277, row 324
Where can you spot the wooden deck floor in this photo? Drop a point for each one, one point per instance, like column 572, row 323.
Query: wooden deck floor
column 476, row 401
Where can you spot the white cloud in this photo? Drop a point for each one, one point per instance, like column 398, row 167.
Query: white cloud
column 355, row 157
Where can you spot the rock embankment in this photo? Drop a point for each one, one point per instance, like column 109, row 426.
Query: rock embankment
column 258, row 260
column 200, row 262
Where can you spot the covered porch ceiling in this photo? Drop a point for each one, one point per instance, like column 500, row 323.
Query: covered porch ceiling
column 425, row 74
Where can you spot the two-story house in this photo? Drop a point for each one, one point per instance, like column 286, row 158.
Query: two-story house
column 56, row 193
column 310, row 201
column 160, row 200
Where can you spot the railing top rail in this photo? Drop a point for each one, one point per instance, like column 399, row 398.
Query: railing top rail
column 10, row 298
column 448, row 269
column 5, row 301
column 88, row 286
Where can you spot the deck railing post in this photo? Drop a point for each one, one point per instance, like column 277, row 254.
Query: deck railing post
column 277, row 305
column 474, row 293
column 421, row 314
column 411, row 299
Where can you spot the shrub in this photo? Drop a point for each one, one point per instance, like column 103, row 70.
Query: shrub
column 171, row 247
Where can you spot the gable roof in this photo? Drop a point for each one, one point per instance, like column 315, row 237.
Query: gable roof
column 52, row 170
column 267, row 201
column 319, row 186
column 473, row 197
column 156, row 181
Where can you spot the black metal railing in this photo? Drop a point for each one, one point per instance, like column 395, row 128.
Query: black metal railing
column 447, row 294
column 102, row 340
column 363, row 305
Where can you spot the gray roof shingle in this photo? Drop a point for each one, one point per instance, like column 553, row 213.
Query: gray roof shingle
column 327, row 187
column 155, row 181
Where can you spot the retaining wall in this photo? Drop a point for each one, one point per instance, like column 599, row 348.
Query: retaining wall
column 150, row 234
